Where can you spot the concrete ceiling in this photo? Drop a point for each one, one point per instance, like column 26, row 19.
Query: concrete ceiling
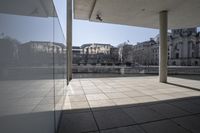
column 142, row 13
column 39, row 8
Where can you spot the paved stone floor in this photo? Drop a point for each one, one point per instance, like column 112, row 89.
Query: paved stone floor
column 132, row 105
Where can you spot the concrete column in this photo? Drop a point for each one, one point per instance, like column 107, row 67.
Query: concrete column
column 69, row 40
column 163, row 49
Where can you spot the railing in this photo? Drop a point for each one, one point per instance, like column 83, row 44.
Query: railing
column 136, row 69
column 37, row 72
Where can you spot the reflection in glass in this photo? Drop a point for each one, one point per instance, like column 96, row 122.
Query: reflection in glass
column 32, row 66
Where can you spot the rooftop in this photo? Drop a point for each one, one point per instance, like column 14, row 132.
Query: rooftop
column 89, row 44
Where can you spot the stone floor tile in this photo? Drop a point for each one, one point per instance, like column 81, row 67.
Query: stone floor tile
column 150, row 92
column 178, row 95
column 101, row 103
column 143, row 114
column 103, row 94
column 77, row 122
column 116, row 95
column 192, row 93
column 75, row 92
column 92, row 91
column 168, row 110
column 191, row 123
column 77, row 98
column 165, row 126
column 109, row 90
column 144, row 99
column 124, row 101
column 134, row 93
column 79, row 105
column 123, row 89
column 195, row 100
column 162, row 97
column 129, row 129
column 187, row 106
column 112, row 118
column 167, row 90
column 99, row 96
column 89, row 87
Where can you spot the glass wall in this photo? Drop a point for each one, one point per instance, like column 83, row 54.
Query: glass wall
column 32, row 65
column 59, row 57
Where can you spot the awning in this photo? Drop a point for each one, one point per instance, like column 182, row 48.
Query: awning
column 39, row 8
column 142, row 13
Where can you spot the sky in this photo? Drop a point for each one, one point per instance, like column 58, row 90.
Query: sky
column 83, row 31
column 94, row 32
column 114, row 34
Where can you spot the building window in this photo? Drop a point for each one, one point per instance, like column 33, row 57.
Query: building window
column 192, row 54
column 177, row 55
column 193, row 46
column 196, row 63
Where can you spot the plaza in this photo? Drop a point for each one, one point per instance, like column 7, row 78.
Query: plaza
column 132, row 105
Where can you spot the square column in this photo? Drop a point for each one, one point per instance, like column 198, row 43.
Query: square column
column 163, row 49
column 69, row 40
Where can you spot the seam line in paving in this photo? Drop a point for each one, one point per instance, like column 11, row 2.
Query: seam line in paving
column 181, row 126
column 141, row 123
column 124, row 127
column 182, row 108
column 91, row 109
column 91, row 131
column 168, row 118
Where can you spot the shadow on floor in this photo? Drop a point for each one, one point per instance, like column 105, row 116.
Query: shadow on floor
column 192, row 77
column 167, row 116
column 183, row 86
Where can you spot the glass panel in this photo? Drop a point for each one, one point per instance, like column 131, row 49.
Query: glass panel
column 59, row 57
column 32, row 66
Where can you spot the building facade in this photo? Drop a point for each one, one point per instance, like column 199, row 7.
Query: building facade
column 145, row 53
column 38, row 53
column 76, row 54
column 183, row 49
column 96, row 48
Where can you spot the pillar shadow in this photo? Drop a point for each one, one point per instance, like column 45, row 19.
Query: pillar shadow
column 184, row 86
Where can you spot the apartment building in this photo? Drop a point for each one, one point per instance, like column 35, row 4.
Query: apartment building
column 183, row 49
